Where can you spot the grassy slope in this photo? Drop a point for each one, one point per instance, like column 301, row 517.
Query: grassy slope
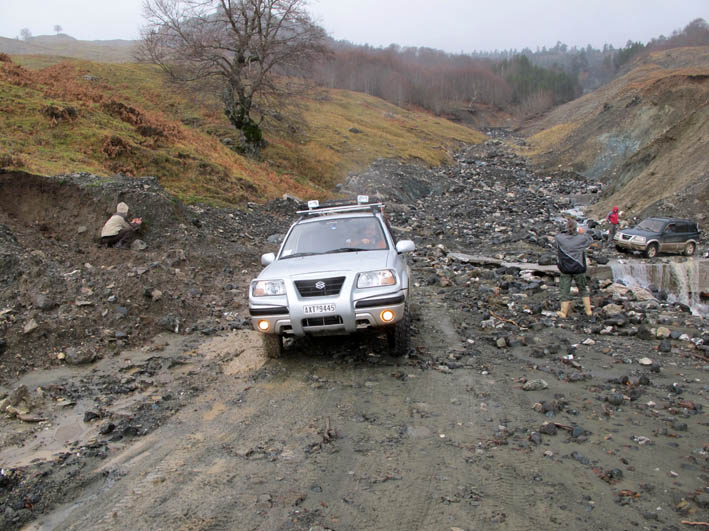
column 128, row 120
column 644, row 135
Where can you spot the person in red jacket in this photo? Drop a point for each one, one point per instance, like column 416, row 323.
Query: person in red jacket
column 612, row 218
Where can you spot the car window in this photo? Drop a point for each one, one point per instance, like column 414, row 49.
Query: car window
column 334, row 235
column 650, row 225
column 671, row 228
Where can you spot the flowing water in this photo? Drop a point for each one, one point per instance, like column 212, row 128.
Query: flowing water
column 683, row 281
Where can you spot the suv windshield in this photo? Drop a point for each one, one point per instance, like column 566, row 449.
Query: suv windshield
column 651, row 225
column 334, row 235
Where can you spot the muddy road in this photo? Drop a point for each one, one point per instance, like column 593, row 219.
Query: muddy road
column 135, row 395
column 339, row 435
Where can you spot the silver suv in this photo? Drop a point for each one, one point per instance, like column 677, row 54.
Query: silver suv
column 337, row 271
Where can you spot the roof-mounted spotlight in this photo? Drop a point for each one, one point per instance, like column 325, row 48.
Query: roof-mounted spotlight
column 313, row 203
column 361, row 199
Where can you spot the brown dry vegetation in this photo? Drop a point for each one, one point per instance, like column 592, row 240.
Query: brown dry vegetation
column 66, row 116
column 645, row 135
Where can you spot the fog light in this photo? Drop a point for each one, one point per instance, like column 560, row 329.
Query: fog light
column 387, row 315
column 263, row 325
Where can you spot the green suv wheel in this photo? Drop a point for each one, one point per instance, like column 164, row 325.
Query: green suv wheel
column 651, row 251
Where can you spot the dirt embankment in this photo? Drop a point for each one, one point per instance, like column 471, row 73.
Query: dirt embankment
column 62, row 291
column 645, row 136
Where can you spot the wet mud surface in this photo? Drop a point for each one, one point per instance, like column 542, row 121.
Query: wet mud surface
column 502, row 416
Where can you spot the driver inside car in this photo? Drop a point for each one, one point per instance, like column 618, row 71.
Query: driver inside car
column 368, row 237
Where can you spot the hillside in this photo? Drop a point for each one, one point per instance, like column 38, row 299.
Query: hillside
column 68, row 116
column 108, row 51
column 644, row 135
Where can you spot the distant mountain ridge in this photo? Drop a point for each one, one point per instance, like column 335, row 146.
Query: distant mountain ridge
column 108, row 51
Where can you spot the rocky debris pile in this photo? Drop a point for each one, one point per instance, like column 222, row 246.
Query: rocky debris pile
column 66, row 299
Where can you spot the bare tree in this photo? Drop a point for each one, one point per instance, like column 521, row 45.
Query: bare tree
column 57, row 29
column 26, row 34
column 246, row 49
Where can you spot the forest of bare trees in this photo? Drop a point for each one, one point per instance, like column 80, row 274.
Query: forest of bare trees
column 528, row 81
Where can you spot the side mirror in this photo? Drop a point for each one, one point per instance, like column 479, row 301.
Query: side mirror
column 267, row 258
column 405, row 246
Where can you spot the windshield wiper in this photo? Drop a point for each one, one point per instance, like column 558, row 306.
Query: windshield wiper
column 297, row 255
column 347, row 250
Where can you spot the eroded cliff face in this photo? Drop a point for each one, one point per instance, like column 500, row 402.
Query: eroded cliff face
column 645, row 136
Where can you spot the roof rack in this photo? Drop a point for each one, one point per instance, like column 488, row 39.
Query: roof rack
column 333, row 207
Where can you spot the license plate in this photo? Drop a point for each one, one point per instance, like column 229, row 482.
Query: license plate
column 313, row 309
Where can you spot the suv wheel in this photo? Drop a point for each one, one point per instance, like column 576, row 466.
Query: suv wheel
column 273, row 345
column 398, row 335
column 651, row 251
column 689, row 249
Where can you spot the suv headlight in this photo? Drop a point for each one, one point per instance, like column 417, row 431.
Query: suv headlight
column 373, row 279
column 640, row 239
column 265, row 288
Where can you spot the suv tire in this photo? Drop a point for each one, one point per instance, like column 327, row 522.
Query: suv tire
column 273, row 345
column 689, row 249
column 651, row 251
column 398, row 335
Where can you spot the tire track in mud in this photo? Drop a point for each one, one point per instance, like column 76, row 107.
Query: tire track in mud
column 168, row 466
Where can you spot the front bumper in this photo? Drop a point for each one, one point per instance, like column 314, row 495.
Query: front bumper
column 628, row 244
column 348, row 317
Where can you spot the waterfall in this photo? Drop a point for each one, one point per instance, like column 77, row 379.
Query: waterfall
column 681, row 280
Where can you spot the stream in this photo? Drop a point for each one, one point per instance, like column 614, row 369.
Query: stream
column 685, row 281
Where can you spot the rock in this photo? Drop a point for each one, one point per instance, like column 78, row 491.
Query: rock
column 78, row 357
column 106, row 428
column 644, row 333
column 90, row 416
column 612, row 309
column 535, row 438
column 501, row 342
column 679, row 426
column 662, row 332
column 30, row 327
column 138, row 245
column 548, row 428
column 665, row 346
column 645, row 361
column 43, row 302
column 535, row 385
column 615, row 399
column 3, row 345
column 577, row 431
column 169, row 323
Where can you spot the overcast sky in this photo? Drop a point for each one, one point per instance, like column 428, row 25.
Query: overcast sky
column 450, row 25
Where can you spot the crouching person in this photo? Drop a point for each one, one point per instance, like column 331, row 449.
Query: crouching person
column 118, row 231
column 571, row 260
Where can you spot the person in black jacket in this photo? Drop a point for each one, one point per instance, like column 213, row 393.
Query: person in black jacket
column 571, row 260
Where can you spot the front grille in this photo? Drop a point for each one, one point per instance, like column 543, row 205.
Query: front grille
column 310, row 288
column 322, row 321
